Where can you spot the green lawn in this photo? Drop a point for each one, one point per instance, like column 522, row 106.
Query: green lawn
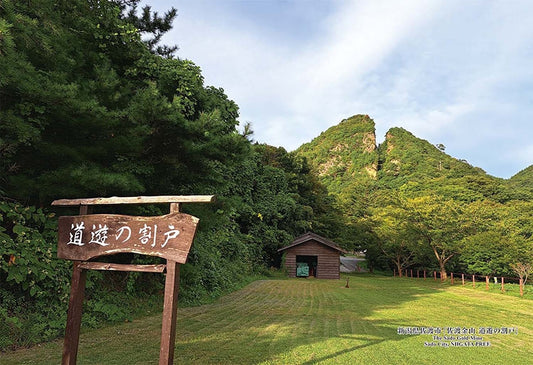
column 308, row 321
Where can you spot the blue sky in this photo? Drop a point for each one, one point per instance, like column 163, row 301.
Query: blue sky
column 458, row 73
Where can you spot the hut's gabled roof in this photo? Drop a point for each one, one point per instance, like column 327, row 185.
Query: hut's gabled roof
column 314, row 237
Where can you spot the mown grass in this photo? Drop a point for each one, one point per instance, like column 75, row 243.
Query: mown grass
column 316, row 321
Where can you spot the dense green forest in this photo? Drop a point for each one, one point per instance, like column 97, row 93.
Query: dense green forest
column 92, row 104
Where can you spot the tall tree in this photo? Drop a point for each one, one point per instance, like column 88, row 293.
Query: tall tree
column 441, row 224
column 397, row 238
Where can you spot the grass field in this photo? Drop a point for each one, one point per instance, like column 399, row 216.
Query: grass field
column 308, row 321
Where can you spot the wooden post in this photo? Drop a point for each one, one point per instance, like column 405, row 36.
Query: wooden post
column 394, row 272
column 424, row 274
column 503, row 287
column 75, row 306
column 452, row 278
column 463, row 279
column 521, row 287
column 417, row 274
column 347, row 282
column 170, row 306
column 435, row 275
column 411, row 273
column 486, row 282
column 473, row 281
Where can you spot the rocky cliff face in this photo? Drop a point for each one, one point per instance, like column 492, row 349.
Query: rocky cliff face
column 344, row 153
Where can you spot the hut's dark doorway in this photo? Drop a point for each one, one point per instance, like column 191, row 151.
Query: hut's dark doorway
column 311, row 261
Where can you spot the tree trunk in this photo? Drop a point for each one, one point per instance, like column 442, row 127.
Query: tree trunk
column 399, row 267
column 442, row 263
column 443, row 275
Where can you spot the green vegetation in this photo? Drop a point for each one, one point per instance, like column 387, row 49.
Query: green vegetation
column 421, row 208
column 310, row 321
column 345, row 153
column 522, row 182
column 93, row 105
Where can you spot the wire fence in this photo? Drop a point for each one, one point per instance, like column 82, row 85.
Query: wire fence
column 464, row 279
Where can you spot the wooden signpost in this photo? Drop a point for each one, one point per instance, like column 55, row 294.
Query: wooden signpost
column 88, row 236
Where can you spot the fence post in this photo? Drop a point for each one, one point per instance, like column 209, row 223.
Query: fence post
column 486, row 282
column 521, row 287
column 473, row 281
column 503, row 288
column 452, row 278
column 435, row 275
column 424, row 274
column 463, row 279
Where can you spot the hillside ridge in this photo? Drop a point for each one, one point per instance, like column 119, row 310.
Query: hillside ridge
column 347, row 160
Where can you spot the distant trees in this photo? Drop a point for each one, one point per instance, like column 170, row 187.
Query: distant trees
column 409, row 227
column 482, row 237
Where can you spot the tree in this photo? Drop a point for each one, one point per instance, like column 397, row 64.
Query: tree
column 397, row 239
column 441, row 224
column 487, row 253
column 522, row 270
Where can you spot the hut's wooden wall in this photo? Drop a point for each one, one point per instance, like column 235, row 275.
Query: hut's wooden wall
column 328, row 264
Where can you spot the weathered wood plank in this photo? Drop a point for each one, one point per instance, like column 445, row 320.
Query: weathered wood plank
column 137, row 200
column 87, row 236
column 122, row 267
column 174, row 207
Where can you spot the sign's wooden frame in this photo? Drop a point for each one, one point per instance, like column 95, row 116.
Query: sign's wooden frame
column 79, row 274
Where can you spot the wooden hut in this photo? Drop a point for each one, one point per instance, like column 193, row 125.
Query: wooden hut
column 312, row 255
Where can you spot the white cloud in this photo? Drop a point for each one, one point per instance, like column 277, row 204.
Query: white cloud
column 452, row 72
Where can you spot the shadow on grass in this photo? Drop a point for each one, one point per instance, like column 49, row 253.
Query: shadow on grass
column 371, row 342
column 298, row 321
column 283, row 321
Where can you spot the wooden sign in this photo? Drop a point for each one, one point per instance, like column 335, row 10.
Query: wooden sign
column 91, row 235
column 84, row 237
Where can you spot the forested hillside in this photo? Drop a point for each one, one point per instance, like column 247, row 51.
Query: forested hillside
column 92, row 105
column 522, row 182
column 413, row 206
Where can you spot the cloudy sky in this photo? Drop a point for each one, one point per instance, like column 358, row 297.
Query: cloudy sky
column 458, row 73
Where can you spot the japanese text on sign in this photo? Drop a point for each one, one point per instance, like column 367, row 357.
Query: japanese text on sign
column 99, row 234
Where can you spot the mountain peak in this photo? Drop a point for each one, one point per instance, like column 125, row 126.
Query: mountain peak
column 346, row 156
column 346, row 151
